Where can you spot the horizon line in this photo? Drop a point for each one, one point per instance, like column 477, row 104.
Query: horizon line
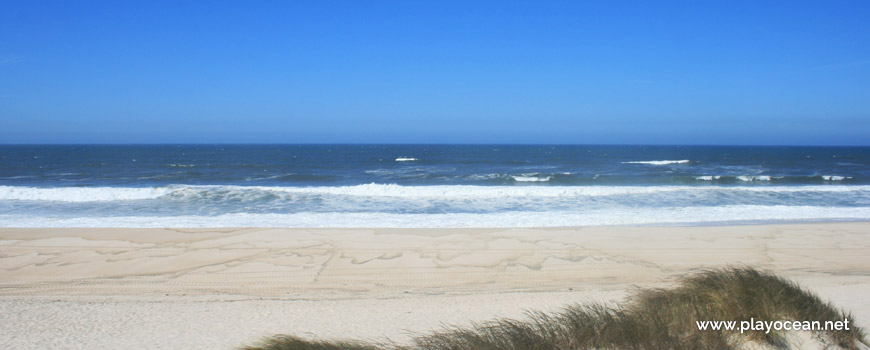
column 415, row 144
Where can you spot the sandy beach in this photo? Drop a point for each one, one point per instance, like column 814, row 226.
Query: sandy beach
column 434, row 175
column 224, row 288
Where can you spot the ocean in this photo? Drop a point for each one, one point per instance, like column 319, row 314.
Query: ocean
column 428, row 185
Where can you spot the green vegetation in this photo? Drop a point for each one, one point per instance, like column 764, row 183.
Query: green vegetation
column 653, row 319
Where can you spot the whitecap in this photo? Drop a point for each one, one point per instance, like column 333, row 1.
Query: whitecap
column 531, row 178
column 659, row 162
column 754, row 178
column 474, row 177
column 835, row 177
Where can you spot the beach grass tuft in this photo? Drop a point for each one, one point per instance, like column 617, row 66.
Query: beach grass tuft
column 651, row 319
column 288, row 342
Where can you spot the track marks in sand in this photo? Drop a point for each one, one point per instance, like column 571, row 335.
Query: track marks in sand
column 347, row 261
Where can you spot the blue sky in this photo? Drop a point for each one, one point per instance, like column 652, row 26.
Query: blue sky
column 597, row 72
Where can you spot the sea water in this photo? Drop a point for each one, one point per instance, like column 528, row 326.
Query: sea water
column 428, row 185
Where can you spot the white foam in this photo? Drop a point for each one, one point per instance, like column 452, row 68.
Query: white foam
column 98, row 194
column 81, row 194
column 708, row 177
column 483, row 176
column 406, row 159
column 531, row 178
column 598, row 217
column 469, row 191
column 834, row 178
column 754, row 178
column 659, row 162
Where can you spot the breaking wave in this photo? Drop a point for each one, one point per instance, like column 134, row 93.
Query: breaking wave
column 531, row 178
column 82, row 194
column 776, row 179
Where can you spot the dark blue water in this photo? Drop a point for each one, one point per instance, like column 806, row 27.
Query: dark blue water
column 317, row 165
column 428, row 185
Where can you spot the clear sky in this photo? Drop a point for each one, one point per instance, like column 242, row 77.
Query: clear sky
column 585, row 72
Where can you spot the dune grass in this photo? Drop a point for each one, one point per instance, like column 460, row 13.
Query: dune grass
column 652, row 319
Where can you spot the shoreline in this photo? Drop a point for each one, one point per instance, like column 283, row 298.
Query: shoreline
column 724, row 223
column 228, row 287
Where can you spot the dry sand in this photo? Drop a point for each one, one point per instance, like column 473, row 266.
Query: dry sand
column 223, row 288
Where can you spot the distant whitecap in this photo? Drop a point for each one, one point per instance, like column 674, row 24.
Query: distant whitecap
column 659, row 162
column 754, row 178
column 834, row 178
column 531, row 178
